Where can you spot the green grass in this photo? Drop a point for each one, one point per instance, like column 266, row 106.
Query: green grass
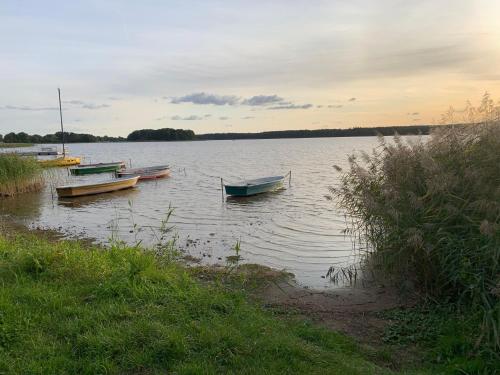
column 446, row 338
column 68, row 308
column 15, row 145
column 18, row 174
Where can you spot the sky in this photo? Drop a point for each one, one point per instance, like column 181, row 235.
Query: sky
column 242, row 66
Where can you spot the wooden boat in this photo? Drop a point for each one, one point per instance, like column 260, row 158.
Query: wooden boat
column 146, row 173
column 253, row 187
column 97, row 187
column 97, row 168
column 64, row 161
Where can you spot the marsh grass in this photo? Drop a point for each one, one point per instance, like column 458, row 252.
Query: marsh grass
column 19, row 175
column 428, row 213
column 15, row 145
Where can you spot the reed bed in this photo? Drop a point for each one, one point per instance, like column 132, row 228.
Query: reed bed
column 19, row 175
column 428, row 211
column 15, row 145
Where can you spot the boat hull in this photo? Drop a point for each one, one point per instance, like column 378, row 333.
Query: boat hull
column 97, row 188
column 60, row 162
column 151, row 173
column 80, row 171
column 248, row 190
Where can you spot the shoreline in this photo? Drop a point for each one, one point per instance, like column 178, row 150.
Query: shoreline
column 354, row 311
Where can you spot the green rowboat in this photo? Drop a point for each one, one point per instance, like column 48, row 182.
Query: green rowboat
column 96, row 168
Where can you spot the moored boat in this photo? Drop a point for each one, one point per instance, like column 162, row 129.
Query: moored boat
column 146, row 173
column 43, row 151
column 64, row 161
column 96, row 168
column 253, row 187
column 120, row 163
column 97, row 187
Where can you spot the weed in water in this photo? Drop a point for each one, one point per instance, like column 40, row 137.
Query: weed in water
column 19, row 175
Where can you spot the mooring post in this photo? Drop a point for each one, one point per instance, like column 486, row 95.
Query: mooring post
column 222, row 188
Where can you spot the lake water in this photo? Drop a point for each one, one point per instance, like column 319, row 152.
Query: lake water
column 296, row 228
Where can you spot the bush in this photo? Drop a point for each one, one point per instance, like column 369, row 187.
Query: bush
column 429, row 212
column 18, row 175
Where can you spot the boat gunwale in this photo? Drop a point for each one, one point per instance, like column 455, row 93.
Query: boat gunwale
column 99, row 183
column 139, row 170
column 254, row 182
column 99, row 165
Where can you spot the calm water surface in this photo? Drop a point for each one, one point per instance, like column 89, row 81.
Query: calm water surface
column 295, row 229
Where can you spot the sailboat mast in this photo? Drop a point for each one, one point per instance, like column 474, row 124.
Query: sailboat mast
column 60, row 115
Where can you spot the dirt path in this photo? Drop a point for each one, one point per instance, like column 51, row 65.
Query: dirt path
column 350, row 310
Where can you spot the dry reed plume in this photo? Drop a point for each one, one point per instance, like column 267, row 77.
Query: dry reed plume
column 429, row 211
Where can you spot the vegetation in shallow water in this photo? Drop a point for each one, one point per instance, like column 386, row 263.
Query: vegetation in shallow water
column 19, row 175
column 429, row 212
column 14, row 145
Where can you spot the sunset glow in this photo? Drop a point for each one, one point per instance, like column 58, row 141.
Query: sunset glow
column 242, row 66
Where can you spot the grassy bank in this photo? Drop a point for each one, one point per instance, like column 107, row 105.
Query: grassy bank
column 15, row 145
column 68, row 308
column 18, row 175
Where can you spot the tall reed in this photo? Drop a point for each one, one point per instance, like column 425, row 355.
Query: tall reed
column 429, row 212
column 19, row 175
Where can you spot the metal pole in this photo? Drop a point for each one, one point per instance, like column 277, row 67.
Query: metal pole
column 222, row 188
column 290, row 178
column 60, row 115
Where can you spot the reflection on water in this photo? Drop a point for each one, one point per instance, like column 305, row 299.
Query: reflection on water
column 26, row 208
column 92, row 200
column 253, row 200
column 295, row 228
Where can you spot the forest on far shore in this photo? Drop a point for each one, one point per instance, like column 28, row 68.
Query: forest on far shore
column 168, row 134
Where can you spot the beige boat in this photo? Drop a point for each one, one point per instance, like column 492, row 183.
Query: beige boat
column 97, row 187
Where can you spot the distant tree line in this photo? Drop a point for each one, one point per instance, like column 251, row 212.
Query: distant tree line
column 23, row 137
column 352, row 132
column 168, row 134
column 165, row 134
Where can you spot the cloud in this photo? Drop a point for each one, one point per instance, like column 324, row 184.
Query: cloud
column 95, row 106
column 204, row 98
column 247, row 117
column 261, row 100
column 335, row 106
column 28, row 108
column 86, row 105
column 352, row 100
column 187, row 118
column 223, row 118
column 292, row 106
column 74, row 102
